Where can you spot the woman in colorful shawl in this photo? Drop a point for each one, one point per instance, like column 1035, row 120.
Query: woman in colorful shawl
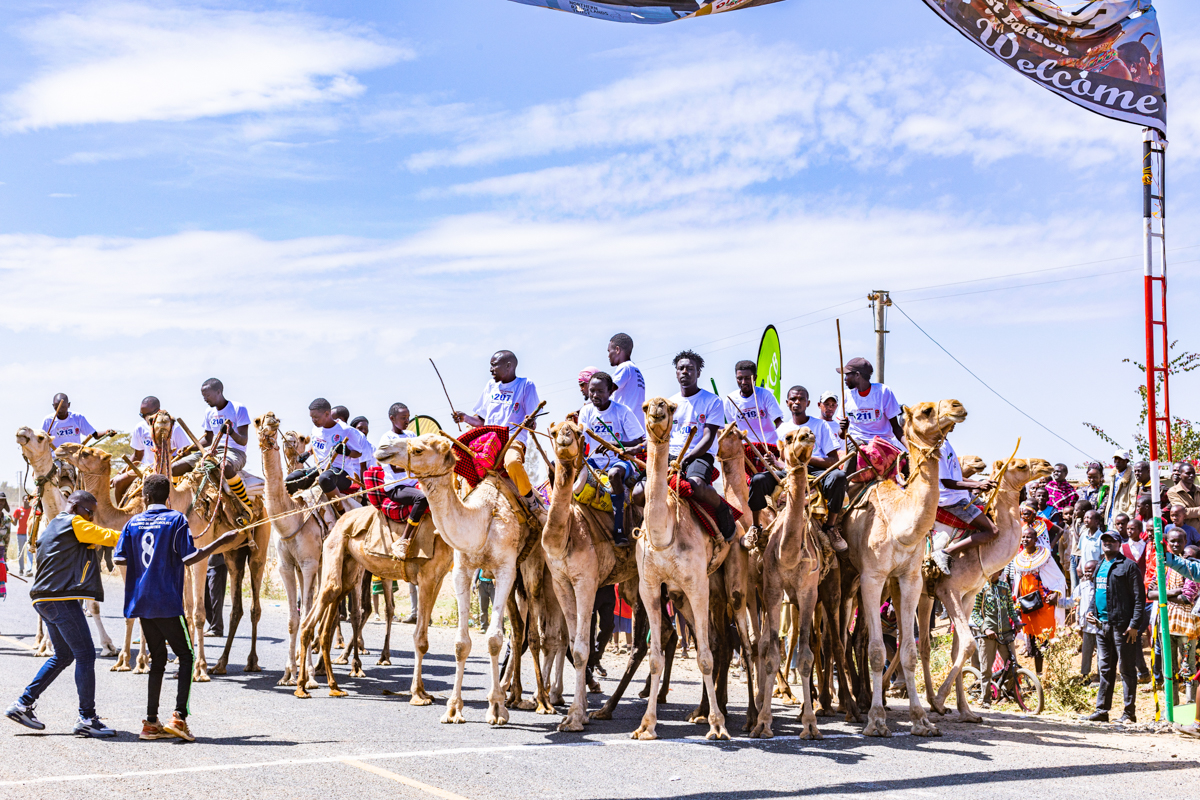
column 1032, row 521
column 1038, row 574
column 1184, row 625
column 1061, row 494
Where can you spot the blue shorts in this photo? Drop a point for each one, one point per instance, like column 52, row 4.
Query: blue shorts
column 964, row 510
column 632, row 473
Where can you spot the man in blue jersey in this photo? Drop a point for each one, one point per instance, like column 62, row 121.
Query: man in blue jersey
column 154, row 548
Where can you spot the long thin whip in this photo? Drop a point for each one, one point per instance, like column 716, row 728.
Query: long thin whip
column 448, row 400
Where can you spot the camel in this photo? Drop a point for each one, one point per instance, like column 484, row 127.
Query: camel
column 300, row 536
column 581, row 558
column 345, row 559
column 538, row 623
column 969, row 571
column 971, row 465
column 791, row 563
column 248, row 551
column 38, row 450
column 886, row 535
column 486, row 532
column 673, row 549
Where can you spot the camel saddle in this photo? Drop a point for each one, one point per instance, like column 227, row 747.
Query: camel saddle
column 382, row 534
column 705, row 517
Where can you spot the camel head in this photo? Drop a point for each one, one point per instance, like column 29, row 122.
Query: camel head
column 729, row 443
column 568, row 443
column 426, row 456
column 87, row 460
column 294, row 445
column 797, row 446
column 660, row 413
column 36, row 446
column 1021, row 471
column 971, row 465
column 266, row 427
column 927, row 424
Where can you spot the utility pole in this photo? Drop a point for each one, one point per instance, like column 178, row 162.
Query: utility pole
column 880, row 300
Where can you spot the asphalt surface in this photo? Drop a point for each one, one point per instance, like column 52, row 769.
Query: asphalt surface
column 257, row 740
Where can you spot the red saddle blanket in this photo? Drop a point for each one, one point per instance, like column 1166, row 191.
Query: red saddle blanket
column 485, row 444
column 375, row 478
column 951, row 521
column 877, row 458
column 707, row 521
column 754, row 464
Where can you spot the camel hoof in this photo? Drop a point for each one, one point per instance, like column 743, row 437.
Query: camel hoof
column 644, row 693
column 923, row 727
column 824, row 712
column 876, row 725
column 570, row 725
column 357, row 673
column 809, row 731
column 937, row 707
column 717, row 732
column 545, row 710
column 337, row 693
column 202, row 678
column 141, row 669
column 453, row 717
column 311, row 683
column 970, row 717
column 497, row 716
column 420, row 700
column 644, row 734
column 601, row 713
column 524, row 705
column 219, row 669
column 762, row 731
column 253, row 668
column 340, row 660
column 108, row 650
column 286, row 680
column 557, row 700
column 696, row 718
column 789, row 700
column 301, row 693
column 119, row 667
column 383, row 662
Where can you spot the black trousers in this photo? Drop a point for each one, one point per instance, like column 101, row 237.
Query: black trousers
column 833, row 487
column 214, row 593
column 409, row 495
column 1111, row 648
column 604, row 617
column 337, row 479
column 158, row 633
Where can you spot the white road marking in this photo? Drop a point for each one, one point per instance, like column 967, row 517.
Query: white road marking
column 294, row 762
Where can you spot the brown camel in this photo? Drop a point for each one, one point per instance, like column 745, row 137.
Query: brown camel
column 248, row 552
column 38, row 450
column 887, row 539
column 534, row 600
column 581, row 556
column 971, row 465
column 300, row 536
column 792, row 565
column 486, row 531
column 673, row 549
column 969, row 571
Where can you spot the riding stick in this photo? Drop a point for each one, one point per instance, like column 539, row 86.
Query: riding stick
column 448, row 400
column 619, row 453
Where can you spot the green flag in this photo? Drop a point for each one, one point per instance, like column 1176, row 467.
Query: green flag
column 769, row 362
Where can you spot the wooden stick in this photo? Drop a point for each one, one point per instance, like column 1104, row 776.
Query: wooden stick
column 619, row 453
column 841, row 365
column 188, row 431
column 1000, row 476
column 448, row 400
column 761, row 455
column 133, row 466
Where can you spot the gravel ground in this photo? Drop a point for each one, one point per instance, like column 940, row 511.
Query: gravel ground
column 257, row 740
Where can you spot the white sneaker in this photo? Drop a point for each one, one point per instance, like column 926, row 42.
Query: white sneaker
column 23, row 715
column 93, row 728
column 942, row 559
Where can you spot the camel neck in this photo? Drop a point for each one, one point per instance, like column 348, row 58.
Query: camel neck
column 795, row 521
column 276, row 498
column 456, row 522
column 921, row 491
column 737, row 492
column 556, row 533
column 658, row 522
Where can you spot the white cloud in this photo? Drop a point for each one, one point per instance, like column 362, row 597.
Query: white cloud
column 131, row 63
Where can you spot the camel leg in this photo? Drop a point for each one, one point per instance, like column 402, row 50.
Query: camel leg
column 910, row 592
column 310, row 627
column 310, row 577
column 698, row 600
column 257, row 567
column 505, row 579
column 235, row 562
column 318, row 624
column 768, row 648
column 328, row 625
column 389, row 608
column 538, row 632
column 462, row 645
column 288, row 573
column 965, row 645
column 872, row 595
column 641, row 629
column 198, row 574
column 741, row 617
column 577, row 601
column 521, row 620
column 428, row 586
column 785, row 689
column 106, row 643
column 122, row 664
column 652, row 601
column 807, row 602
column 359, row 621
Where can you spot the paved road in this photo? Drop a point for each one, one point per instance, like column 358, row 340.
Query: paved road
column 257, row 741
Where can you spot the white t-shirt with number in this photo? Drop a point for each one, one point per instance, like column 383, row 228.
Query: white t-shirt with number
column 507, row 404
column 755, row 414
column 702, row 408
column 72, row 429
column 237, row 416
column 823, row 444
column 871, row 416
column 631, row 386
column 324, row 440
column 363, row 445
column 949, row 468
column 141, row 439
column 832, row 426
column 613, row 424
column 396, row 476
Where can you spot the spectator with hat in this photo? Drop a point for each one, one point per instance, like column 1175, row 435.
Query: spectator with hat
column 828, row 406
column 1122, row 494
column 1118, row 610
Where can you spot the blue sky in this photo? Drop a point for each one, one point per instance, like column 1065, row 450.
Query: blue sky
column 314, row 198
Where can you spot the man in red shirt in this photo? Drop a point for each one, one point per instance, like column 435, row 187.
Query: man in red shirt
column 21, row 515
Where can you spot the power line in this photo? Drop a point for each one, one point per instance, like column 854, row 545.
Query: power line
column 985, row 383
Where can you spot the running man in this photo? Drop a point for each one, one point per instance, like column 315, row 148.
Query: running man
column 154, row 548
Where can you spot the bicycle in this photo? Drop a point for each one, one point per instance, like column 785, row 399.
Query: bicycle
column 1010, row 681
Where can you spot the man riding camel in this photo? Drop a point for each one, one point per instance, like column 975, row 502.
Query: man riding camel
column 702, row 412
column 230, row 422
column 954, row 497
column 612, row 422
column 871, row 408
column 62, row 426
column 402, row 487
column 142, row 442
column 824, row 456
column 506, row 401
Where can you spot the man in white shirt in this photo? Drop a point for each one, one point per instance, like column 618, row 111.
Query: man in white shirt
column 753, row 407
column 954, row 497
column 871, row 408
column 613, row 423
column 506, row 401
column 826, row 409
column 142, row 442
column 360, row 430
column 230, row 422
column 402, row 488
column 330, row 445
column 703, row 412
column 62, row 426
column 631, row 386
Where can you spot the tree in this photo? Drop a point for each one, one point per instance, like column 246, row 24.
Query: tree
column 1185, row 434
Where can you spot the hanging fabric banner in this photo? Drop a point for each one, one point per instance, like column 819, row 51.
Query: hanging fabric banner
column 646, row 11
column 1105, row 55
